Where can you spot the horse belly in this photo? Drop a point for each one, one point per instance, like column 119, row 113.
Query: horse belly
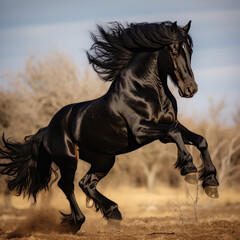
column 104, row 134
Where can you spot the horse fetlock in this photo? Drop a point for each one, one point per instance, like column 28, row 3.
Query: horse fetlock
column 188, row 168
column 184, row 162
column 80, row 218
column 210, row 180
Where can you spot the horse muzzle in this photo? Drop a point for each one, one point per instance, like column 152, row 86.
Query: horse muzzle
column 188, row 91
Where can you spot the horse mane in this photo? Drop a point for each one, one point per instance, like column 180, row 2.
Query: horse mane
column 115, row 46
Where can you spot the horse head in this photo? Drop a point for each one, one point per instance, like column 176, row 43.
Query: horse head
column 178, row 64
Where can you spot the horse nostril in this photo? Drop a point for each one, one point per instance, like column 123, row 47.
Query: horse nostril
column 188, row 91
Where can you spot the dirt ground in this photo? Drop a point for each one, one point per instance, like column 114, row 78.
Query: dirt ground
column 165, row 214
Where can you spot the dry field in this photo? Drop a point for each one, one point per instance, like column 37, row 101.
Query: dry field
column 165, row 214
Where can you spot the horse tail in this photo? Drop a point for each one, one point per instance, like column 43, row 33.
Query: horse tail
column 29, row 168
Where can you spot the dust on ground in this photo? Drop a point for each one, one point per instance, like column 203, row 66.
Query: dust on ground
column 165, row 214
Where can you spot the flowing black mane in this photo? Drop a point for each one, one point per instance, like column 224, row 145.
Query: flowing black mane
column 115, row 46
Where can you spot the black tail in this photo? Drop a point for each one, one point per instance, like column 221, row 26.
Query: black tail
column 24, row 158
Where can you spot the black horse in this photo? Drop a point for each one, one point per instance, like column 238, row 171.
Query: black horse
column 137, row 109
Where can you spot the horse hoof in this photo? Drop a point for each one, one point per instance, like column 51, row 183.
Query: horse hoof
column 212, row 191
column 191, row 178
column 69, row 224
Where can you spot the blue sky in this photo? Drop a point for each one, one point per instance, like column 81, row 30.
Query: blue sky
column 36, row 27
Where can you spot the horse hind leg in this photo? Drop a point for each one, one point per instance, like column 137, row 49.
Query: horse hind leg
column 88, row 184
column 71, row 222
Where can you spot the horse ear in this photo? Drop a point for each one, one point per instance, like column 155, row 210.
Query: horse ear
column 174, row 27
column 187, row 27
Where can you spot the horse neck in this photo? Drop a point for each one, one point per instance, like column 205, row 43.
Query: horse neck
column 143, row 73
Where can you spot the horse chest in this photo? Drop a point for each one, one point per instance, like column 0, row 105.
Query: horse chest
column 167, row 114
column 164, row 112
column 166, row 117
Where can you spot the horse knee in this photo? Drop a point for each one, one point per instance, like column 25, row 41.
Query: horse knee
column 202, row 143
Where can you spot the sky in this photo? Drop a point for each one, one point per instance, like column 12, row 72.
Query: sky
column 37, row 27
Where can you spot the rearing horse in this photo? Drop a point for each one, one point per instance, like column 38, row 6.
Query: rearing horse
column 137, row 109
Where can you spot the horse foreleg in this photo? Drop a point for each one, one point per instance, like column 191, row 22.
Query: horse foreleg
column 146, row 131
column 167, row 134
column 184, row 161
column 89, row 183
column 208, row 172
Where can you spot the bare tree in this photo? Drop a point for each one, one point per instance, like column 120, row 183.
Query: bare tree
column 228, row 170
